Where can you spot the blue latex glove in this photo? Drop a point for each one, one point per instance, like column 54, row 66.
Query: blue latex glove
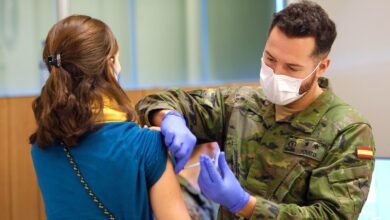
column 222, row 188
column 178, row 138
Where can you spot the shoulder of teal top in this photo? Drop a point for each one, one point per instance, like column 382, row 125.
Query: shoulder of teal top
column 103, row 149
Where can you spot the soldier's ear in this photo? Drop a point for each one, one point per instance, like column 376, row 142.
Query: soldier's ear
column 323, row 67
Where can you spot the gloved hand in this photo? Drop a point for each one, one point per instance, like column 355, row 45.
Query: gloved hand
column 222, row 188
column 178, row 138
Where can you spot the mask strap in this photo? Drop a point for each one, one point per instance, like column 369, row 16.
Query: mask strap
column 312, row 72
column 117, row 74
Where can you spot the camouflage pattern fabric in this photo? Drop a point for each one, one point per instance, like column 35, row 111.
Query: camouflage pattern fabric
column 303, row 167
column 198, row 206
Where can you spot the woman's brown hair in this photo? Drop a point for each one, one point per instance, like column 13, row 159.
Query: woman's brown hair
column 72, row 98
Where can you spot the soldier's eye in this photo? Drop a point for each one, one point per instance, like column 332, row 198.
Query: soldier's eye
column 270, row 59
column 292, row 69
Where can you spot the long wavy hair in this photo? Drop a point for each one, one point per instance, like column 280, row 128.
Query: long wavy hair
column 72, row 98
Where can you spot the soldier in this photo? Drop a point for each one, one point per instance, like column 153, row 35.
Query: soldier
column 294, row 149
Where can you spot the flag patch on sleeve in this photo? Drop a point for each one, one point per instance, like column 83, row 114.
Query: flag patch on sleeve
column 364, row 152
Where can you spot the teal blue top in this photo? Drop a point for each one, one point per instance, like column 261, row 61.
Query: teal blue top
column 120, row 162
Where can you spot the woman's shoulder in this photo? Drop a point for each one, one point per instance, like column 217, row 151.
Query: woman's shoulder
column 120, row 136
column 133, row 134
column 37, row 151
column 131, row 128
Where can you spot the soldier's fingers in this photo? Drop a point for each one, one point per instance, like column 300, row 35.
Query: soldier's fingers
column 223, row 166
column 179, row 148
column 180, row 164
column 168, row 138
column 204, row 180
column 212, row 171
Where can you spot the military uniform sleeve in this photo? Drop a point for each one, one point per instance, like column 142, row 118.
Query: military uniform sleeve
column 338, row 188
column 205, row 111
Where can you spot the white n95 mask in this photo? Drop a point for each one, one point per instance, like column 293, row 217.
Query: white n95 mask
column 278, row 88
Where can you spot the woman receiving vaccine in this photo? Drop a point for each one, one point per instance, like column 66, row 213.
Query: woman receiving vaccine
column 91, row 159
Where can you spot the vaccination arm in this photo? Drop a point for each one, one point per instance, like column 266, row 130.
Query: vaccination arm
column 186, row 118
column 166, row 198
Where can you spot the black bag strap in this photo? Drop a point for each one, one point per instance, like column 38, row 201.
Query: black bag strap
column 86, row 186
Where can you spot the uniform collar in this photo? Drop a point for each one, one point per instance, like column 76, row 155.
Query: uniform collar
column 308, row 119
column 269, row 114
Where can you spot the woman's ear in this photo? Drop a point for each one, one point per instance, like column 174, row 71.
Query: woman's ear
column 112, row 60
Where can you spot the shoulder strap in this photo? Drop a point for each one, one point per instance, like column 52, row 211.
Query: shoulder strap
column 86, row 186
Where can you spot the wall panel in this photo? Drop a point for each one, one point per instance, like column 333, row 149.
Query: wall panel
column 5, row 186
column 24, row 187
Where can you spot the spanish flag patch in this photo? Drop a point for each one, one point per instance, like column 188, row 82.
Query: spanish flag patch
column 364, row 152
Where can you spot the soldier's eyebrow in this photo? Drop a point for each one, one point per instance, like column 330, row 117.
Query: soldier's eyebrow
column 288, row 64
column 294, row 65
column 269, row 54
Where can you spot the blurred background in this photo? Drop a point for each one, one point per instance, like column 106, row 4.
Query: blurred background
column 189, row 44
column 162, row 43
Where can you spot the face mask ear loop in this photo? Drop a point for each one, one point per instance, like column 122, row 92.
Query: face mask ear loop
column 115, row 72
column 312, row 72
column 113, row 67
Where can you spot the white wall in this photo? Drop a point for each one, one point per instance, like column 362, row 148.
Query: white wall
column 360, row 69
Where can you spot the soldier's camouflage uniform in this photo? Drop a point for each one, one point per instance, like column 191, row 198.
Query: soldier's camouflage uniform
column 198, row 206
column 303, row 167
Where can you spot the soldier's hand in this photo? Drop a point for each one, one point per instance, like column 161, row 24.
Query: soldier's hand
column 178, row 138
column 222, row 188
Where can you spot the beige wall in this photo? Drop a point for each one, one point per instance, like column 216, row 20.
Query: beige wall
column 360, row 68
column 19, row 193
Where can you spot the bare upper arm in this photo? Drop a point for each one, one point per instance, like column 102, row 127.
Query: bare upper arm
column 166, row 197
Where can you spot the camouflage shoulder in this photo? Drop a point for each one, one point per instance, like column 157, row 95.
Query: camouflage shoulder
column 247, row 94
column 251, row 91
column 345, row 115
column 250, row 98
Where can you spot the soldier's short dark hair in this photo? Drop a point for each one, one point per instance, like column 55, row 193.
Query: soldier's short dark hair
column 304, row 19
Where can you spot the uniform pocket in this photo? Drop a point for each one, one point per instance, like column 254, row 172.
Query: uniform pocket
column 351, row 173
column 350, row 186
column 358, row 190
column 288, row 182
column 253, row 181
